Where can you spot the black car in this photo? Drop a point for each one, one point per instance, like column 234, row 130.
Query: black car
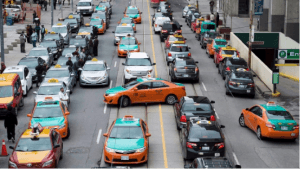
column 55, row 47
column 184, row 68
column 74, row 24
column 169, row 28
column 204, row 37
column 211, row 162
column 193, row 106
column 240, row 81
column 201, row 137
column 231, row 63
column 108, row 5
column 157, row 14
column 55, row 36
column 78, row 16
column 31, row 63
column 191, row 18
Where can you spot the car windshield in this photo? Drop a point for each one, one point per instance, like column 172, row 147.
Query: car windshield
column 208, row 26
column 128, row 41
column 220, row 43
column 68, row 51
column 212, row 35
column 63, row 60
column 38, row 144
column 94, row 67
column 161, row 20
column 47, row 112
column 131, row 84
column 51, row 37
column 172, row 38
column 181, row 62
column 242, row 76
column 158, row 14
column 75, row 16
column 71, row 21
column 61, row 29
column 204, row 133
column 6, row 91
column 105, row 4
column 228, row 52
column 101, row 16
column 57, row 73
column 96, row 22
column 170, row 27
column 179, row 49
column 126, row 132
column 84, row 4
column 279, row 115
column 85, row 29
column 29, row 64
column 127, row 29
column 50, row 44
column 78, row 42
column 49, row 90
column 138, row 62
column 132, row 11
column 196, row 107
column 126, row 21
column 38, row 53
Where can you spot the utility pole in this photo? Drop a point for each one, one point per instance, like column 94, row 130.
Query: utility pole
column 218, row 5
column 251, row 34
column 231, row 16
column 197, row 6
column 72, row 6
column 1, row 33
column 52, row 8
column 61, row 11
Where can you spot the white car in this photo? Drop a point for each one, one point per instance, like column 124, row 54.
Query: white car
column 24, row 74
column 85, row 7
column 159, row 22
column 63, row 30
column 138, row 64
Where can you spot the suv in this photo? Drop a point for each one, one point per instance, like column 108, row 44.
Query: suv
column 159, row 21
column 177, row 49
column 85, row 7
column 169, row 28
column 137, row 64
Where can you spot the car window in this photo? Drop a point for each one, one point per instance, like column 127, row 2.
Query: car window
column 144, row 127
column 126, row 132
column 53, row 138
column 143, row 86
column 138, row 62
column 179, row 49
column 196, row 107
column 183, row 62
column 28, row 144
column 46, row 112
column 279, row 115
column 204, row 133
column 254, row 109
column 158, row 85
column 58, row 73
column 38, row 53
column 5, row 91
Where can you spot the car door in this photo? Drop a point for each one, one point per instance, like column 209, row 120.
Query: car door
column 145, row 129
column 249, row 117
column 178, row 107
column 27, row 78
column 221, row 66
column 142, row 94
column 257, row 118
column 55, row 141
column 160, row 90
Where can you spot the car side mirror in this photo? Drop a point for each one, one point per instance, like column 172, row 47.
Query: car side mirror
column 148, row 135
column 68, row 91
column 247, row 109
column 108, row 68
column 123, row 12
column 56, row 146
column 113, row 31
column 105, row 134
column 187, row 166
column 67, row 113
column 153, row 63
column 28, row 115
column 139, row 43
column 196, row 62
column 135, row 89
column 222, row 126
column 123, row 63
column 34, row 92
column 212, row 101
column 11, row 147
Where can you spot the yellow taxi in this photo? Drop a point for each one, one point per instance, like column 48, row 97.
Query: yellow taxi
column 223, row 52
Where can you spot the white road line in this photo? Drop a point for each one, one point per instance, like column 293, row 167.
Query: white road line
column 115, row 63
column 217, row 115
column 204, row 86
column 110, row 84
column 235, row 158
column 99, row 136
column 105, row 107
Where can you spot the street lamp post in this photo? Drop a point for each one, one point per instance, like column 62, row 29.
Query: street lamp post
column 52, row 7
column 1, row 33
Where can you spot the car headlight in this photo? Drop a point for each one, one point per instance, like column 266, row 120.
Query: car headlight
column 135, row 50
column 47, row 163
column 111, row 94
column 12, row 164
column 140, row 150
column 91, row 9
column 62, row 126
column 82, row 77
column 117, row 38
column 104, row 77
column 128, row 71
column 75, row 26
column 109, row 150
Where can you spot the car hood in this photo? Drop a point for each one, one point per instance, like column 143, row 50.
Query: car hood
column 63, row 34
column 128, row 47
column 31, row 156
column 39, row 98
column 138, row 68
column 64, row 79
column 93, row 73
column 124, row 34
column 115, row 90
column 54, row 121
column 125, row 144
column 133, row 15
column 6, row 100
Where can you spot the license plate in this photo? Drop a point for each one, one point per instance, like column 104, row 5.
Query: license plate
column 217, row 154
column 124, row 157
column 293, row 134
column 180, row 55
column 284, row 128
column 185, row 75
column 205, row 148
column 242, row 86
column 248, row 91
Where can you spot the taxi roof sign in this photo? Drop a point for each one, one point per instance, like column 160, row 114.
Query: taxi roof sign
column 70, row 17
column 87, row 24
column 129, row 118
column 179, row 42
column 271, row 104
column 124, row 24
column 52, row 80
column 59, row 24
column 48, row 98
column 57, row 66
column 94, row 60
column 52, row 32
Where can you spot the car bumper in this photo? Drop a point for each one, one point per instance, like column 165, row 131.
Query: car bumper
column 189, row 77
column 138, row 20
column 211, row 52
column 133, row 77
column 101, row 30
column 93, row 83
column 34, row 165
column 248, row 91
column 110, row 99
column 194, row 154
column 123, row 53
column 135, row 158
column 271, row 133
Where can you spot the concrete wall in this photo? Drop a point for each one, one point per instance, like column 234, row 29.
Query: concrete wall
column 232, row 8
column 292, row 19
column 262, row 71
column 276, row 15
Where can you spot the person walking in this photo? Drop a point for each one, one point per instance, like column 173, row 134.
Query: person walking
column 10, row 122
column 91, row 47
column 37, row 30
column 43, row 31
column 54, row 4
column 78, row 64
column 3, row 67
column 63, row 96
column 34, row 38
column 40, row 69
column 217, row 19
column 82, row 54
column 69, row 63
column 22, row 41
column 34, row 15
column 96, row 42
column 76, row 53
column 212, row 4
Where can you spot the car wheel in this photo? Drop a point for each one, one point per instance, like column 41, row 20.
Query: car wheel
column 171, row 99
column 223, row 76
column 196, row 81
column 69, row 101
column 68, row 134
column 21, row 104
column 252, row 96
column 172, row 79
column 75, row 84
column 258, row 134
column 124, row 101
column 242, row 121
column 219, row 70
column 62, row 153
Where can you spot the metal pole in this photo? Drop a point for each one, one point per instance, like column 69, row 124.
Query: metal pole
column 72, row 6
column 61, row 11
column 218, row 5
column 251, row 37
column 198, row 6
column 1, row 33
column 52, row 8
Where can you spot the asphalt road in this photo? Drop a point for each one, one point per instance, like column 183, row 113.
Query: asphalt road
column 90, row 117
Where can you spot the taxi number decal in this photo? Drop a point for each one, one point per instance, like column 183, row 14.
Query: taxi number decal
column 135, row 94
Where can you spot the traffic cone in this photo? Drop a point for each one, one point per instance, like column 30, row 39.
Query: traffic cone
column 4, row 151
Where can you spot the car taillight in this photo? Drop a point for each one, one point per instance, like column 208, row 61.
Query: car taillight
column 190, row 145
column 212, row 118
column 183, row 87
column 232, row 83
column 251, row 84
column 164, row 31
column 183, row 119
column 196, row 69
column 15, row 14
column 270, row 125
column 220, row 145
column 247, row 69
column 189, row 55
column 155, row 25
column 169, row 54
column 296, row 127
column 175, row 69
column 228, row 68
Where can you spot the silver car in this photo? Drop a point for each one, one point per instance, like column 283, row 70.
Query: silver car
column 42, row 52
column 186, row 9
column 177, row 50
column 62, row 73
column 63, row 30
column 121, row 31
column 94, row 73
column 50, row 88
column 137, row 64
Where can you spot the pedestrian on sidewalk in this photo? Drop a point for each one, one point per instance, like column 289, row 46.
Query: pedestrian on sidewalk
column 91, row 45
column 54, row 4
column 40, row 70
column 59, row 4
column 22, row 41
column 217, row 19
column 43, row 31
column 10, row 122
column 34, row 38
column 96, row 42
column 34, row 16
column 69, row 62
column 3, row 67
column 212, row 4
column 30, row 30
column 37, row 30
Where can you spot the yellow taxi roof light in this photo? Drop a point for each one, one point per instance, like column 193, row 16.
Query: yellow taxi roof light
column 52, row 80
column 124, row 24
column 52, row 32
column 70, row 16
column 57, row 66
column 59, row 24
column 203, row 122
column 179, row 42
column 87, row 24
column 228, row 47
column 94, row 60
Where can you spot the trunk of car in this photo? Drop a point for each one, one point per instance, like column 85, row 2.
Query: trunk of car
column 186, row 69
column 205, row 144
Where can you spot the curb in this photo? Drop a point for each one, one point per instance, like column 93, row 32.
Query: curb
column 289, row 76
column 277, row 94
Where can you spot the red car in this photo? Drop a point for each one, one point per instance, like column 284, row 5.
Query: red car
column 223, row 52
column 173, row 38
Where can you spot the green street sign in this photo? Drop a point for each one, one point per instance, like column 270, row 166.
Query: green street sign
column 275, row 78
column 288, row 54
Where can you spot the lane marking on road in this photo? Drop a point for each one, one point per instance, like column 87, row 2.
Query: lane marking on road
column 99, row 136
column 159, row 106
column 203, row 86
column 217, row 115
column 110, row 84
column 235, row 158
column 105, row 107
column 115, row 63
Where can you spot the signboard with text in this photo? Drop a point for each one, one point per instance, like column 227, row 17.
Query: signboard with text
column 258, row 7
column 275, row 78
column 288, row 54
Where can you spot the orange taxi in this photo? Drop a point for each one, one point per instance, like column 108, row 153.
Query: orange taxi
column 134, row 13
column 223, row 52
column 127, row 141
column 51, row 114
column 99, row 24
column 172, row 38
column 145, row 90
column 270, row 120
column 128, row 44
column 215, row 44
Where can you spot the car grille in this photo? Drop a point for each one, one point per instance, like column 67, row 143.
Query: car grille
column 125, row 152
column 139, row 73
column 84, row 10
column 92, row 78
column 130, row 160
column 33, row 165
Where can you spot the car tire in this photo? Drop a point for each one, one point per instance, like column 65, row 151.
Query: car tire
column 258, row 134
column 227, row 92
column 68, row 134
column 172, row 79
column 21, row 104
column 196, row 81
column 219, row 72
column 75, row 84
column 252, row 96
column 223, row 76
column 171, row 99
column 124, row 101
column 242, row 121
column 62, row 153
column 125, row 81
column 216, row 64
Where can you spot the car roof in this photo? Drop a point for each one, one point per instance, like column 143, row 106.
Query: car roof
column 228, row 48
column 44, row 133
column 196, row 99
column 48, row 104
column 127, row 25
column 46, row 83
column 29, row 58
column 215, row 162
column 184, row 58
column 272, row 107
column 18, row 68
column 7, row 78
column 61, row 68
column 138, row 55
column 132, row 7
column 220, row 40
column 123, row 122
column 39, row 48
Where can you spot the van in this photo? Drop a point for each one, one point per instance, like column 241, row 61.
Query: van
column 11, row 93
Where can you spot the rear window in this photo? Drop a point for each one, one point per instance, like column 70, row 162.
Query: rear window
column 185, row 62
column 236, row 62
column 228, row 52
column 242, row 76
column 170, row 27
column 279, row 115
column 208, row 26
column 220, row 43
column 196, row 107
column 179, row 49
column 207, row 132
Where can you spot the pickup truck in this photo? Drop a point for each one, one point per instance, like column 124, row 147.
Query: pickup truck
column 15, row 11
